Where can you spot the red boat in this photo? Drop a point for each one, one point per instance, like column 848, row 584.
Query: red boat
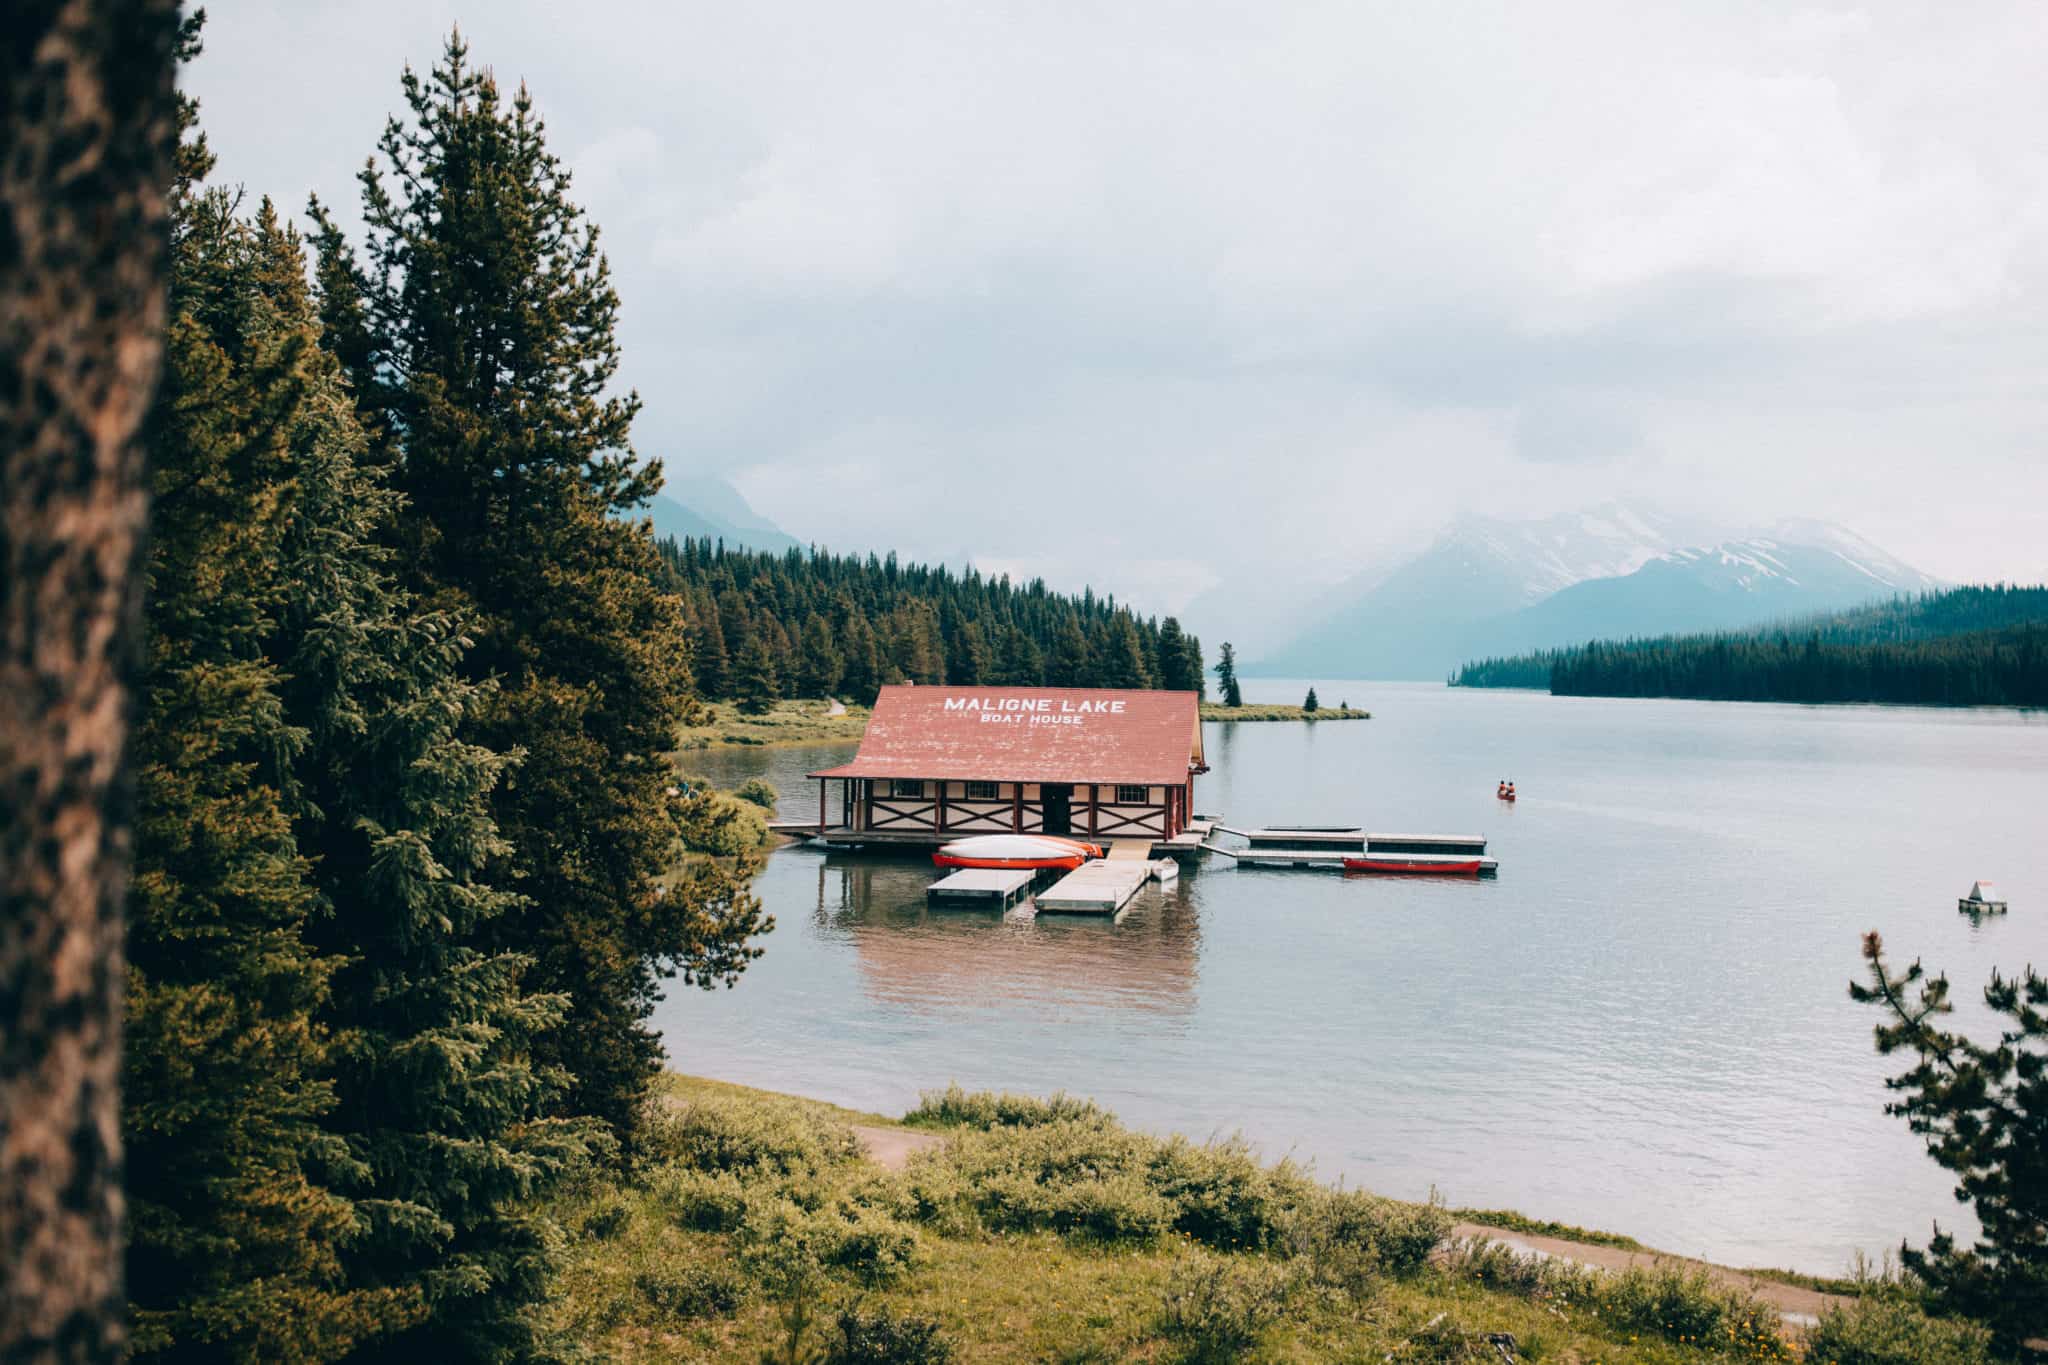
column 1016, row 851
column 1395, row 865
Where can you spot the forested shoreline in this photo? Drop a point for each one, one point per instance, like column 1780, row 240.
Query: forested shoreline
column 815, row 624
column 1975, row 646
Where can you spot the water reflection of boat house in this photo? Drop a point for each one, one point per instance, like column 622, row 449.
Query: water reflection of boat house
column 937, row 763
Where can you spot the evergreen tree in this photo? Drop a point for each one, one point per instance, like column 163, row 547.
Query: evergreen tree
column 1983, row 1111
column 437, row 1101
column 1309, row 703
column 819, row 665
column 969, row 661
column 491, row 322
column 1226, row 676
column 707, row 653
column 1022, row 665
column 754, row 682
column 234, row 1241
column 1068, row 662
column 1121, row 657
column 1172, row 668
column 863, row 676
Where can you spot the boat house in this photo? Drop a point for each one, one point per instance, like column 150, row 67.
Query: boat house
column 939, row 763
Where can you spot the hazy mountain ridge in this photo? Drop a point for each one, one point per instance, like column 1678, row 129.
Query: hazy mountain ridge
column 1487, row 587
column 704, row 507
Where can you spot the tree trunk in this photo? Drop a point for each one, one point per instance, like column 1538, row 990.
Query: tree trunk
column 87, row 129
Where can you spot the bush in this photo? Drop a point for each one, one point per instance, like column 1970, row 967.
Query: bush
column 708, row 1201
column 1348, row 1236
column 607, row 1220
column 691, row 1291
column 1218, row 1308
column 1222, row 1197
column 884, row 1338
column 1890, row 1330
column 757, row 791
column 985, row 1109
column 1691, row 1308
column 874, row 1247
column 747, row 1137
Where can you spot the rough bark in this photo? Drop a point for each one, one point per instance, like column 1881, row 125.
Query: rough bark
column 87, row 129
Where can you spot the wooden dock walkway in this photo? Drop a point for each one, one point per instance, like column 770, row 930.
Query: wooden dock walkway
column 1102, row 887
column 991, row 888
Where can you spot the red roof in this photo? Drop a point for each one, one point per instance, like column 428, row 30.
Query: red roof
column 1029, row 734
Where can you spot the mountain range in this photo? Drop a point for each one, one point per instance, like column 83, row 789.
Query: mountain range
column 704, row 507
column 1490, row 587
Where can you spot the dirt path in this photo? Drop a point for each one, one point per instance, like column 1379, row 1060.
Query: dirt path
column 1791, row 1300
column 892, row 1148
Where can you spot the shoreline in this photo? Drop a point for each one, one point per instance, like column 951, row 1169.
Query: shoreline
column 890, row 1143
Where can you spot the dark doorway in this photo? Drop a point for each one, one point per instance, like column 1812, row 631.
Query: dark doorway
column 1059, row 808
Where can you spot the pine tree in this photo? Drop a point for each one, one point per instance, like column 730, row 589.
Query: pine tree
column 1309, row 703
column 492, row 318
column 863, row 674
column 1983, row 1112
column 818, row 664
column 234, row 1240
column 1069, row 663
column 969, row 661
column 1172, row 666
column 707, row 654
column 1121, row 656
column 438, row 1102
column 1226, row 676
column 1022, row 665
column 754, row 682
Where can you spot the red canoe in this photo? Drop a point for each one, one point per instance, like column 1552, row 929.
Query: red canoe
column 1438, row 867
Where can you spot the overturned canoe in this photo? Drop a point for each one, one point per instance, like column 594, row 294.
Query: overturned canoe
column 1414, row 864
column 1016, row 851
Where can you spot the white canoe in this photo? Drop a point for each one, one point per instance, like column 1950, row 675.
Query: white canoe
column 1015, row 850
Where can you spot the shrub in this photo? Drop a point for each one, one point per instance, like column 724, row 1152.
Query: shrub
column 874, row 1247
column 985, row 1109
column 747, row 1137
column 1890, row 1330
column 757, row 791
column 691, row 1291
column 1117, row 1208
column 1218, row 1308
column 1691, row 1308
column 1348, row 1235
column 607, row 1220
column 884, row 1338
column 1221, row 1195
column 708, row 1201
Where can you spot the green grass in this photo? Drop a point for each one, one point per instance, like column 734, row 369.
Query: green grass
column 1214, row 710
column 787, row 722
column 1046, row 1231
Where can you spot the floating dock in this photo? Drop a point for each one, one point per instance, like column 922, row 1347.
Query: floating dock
column 988, row 888
column 1106, row 885
column 1325, row 847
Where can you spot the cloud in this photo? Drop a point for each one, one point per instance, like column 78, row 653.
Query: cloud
column 1157, row 292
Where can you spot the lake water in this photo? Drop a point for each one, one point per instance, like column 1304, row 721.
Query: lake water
column 1641, row 1025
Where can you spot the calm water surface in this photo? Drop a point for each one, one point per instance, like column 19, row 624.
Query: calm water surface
column 1641, row 1025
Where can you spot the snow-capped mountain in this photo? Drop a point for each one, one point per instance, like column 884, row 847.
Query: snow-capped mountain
column 1488, row 586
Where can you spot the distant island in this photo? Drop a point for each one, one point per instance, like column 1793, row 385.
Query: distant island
column 1215, row 710
column 1975, row 646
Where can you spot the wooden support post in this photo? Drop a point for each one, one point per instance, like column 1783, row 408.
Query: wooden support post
column 821, row 808
column 940, row 815
column 1017, row 808
column 1094, row 808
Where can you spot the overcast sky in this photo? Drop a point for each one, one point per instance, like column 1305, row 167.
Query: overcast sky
column 1156, row 295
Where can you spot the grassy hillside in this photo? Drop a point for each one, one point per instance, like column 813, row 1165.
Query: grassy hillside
column 753, row 1227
